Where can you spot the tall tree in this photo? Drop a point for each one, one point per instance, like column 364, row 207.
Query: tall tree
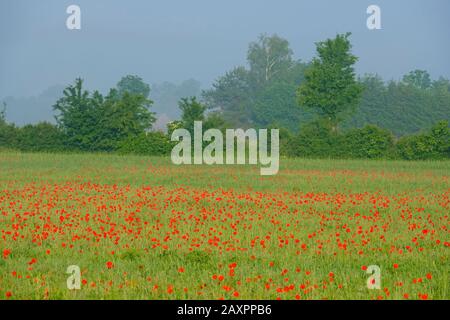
column 330, row 87
column 134, row 85
column 8, row 132
column 418, row 78
column 265, row 92
column 269, row 58
column 78, row 115
column 94, row 122
column 232, row 96
column 192, row 110
column 372, row 107
column 121, row 117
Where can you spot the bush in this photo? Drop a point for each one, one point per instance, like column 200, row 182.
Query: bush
column 370, row 142
column 433, row 145
column 315, row 140
column 40, row 137
column 7, row 131
column 150, row 143
column 8, row 135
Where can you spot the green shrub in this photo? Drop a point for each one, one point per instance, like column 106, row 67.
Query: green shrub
column 315, row 140
column 150, row 143
column 432, row 145
column 8, row 132
column 370, row 142
column 40, row 137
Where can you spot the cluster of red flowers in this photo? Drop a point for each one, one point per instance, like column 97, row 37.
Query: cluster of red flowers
column 262, row 227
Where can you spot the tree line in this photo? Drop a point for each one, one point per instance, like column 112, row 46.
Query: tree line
column 321, row 108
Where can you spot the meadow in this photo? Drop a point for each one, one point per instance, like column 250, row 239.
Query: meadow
column 143, row 228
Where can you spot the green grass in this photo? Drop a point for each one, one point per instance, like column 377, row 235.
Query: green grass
column 204, row 218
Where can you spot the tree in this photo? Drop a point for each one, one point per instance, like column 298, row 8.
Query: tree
column 8, row 132
column 231, row 95
column 78, row 115
column 330, row 86
column 192, row 110
column 373, row 106
column 276, row 104
column 418, row 78
column 269, row 58
column 403, row 108
column 434, row 144
column 93, row 122
column 42, row 136
column 134, row 85
column 265, row 92
column 121, row 117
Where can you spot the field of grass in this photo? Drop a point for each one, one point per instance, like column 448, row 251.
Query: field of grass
column 142, row 228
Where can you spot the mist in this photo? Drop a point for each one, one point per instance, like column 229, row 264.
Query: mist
column 173, row 41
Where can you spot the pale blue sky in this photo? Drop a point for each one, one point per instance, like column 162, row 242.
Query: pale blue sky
column 178, row 39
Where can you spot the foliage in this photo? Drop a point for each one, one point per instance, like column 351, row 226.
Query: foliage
column 231, row 95
column 93, row 122
column 401, row 107
column 330, row 87
column 265, row 92
column 133, row 85
column 78, row 115
column 43, row 136
column 192, row 110
column 122, row 117
column 8, row 134
column 434, row 144
column 269, row 59
column 370, row 142
column 314, row 141
column 376, row 119
column 150, row 143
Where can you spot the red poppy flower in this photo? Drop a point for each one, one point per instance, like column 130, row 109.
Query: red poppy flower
column 6, row 253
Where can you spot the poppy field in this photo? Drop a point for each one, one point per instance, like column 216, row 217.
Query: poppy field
column 143, row 228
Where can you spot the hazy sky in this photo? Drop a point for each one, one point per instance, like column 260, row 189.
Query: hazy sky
column 176, row 40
